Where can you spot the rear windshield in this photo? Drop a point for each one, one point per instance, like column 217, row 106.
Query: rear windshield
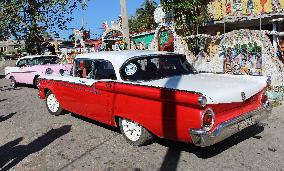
column 155, row 67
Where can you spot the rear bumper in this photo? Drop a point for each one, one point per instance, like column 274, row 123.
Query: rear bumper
column 226, row 129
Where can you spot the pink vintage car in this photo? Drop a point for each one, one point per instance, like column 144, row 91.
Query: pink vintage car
column 29, row 68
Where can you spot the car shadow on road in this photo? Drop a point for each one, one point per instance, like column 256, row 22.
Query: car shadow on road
column 111, row 128
column 12, row 153
column 2, row 100
column 4, row 118
column 171, row 159
column 8, row 88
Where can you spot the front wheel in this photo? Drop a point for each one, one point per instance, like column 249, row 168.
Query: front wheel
column 13, row 82
column 134, row 133
column 53, row 105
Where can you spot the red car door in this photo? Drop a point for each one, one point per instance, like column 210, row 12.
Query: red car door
column 90, row 97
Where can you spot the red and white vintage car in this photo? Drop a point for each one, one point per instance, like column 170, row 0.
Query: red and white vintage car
column 148, row 93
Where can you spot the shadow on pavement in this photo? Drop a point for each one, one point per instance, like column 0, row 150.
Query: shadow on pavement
column 111, row 128
column 2, row 76
column 169, row 123
column 2, row 100
column 4, row 118
column 9, row 88
column 175, row 148
column 12, row 153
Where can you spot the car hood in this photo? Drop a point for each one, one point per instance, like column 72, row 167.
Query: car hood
column 217, row 88
column 11, row 69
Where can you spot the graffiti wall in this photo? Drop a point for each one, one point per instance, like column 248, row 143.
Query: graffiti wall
column 242, row 59
column 242, row 52
column 221, row 8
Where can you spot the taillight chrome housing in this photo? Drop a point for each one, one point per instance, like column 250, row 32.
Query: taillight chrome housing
column 207, row 119
column 202, row 101
column 264, row 98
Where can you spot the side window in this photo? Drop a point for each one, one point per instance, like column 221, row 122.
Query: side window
column 103, row 69
column 83, row 68
column 22, row 63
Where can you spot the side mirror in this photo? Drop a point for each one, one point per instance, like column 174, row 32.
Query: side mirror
column 61, row 72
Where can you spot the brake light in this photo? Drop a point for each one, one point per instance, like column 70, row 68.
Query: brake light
column 208, row 119
column 264, row 98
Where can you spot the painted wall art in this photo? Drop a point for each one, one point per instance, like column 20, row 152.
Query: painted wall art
column 226, row 8
column 246, row 52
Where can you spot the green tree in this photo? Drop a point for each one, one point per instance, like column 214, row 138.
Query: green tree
column 187, row 14
column 30, row 19
column 144, row 17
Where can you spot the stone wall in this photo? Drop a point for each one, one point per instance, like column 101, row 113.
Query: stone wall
column 239, row 52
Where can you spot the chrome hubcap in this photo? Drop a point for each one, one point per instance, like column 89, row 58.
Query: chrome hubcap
column 52, row 103
column 132, row 130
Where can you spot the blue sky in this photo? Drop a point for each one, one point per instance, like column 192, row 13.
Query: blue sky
column 97, row 12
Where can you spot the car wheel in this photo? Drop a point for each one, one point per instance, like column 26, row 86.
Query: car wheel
column 13, row 82
column 36, row 82
column 134, row 133
column 53, row 105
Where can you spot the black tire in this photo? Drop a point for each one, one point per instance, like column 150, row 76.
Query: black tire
column 14, row 83
column 54, row 112
column 35, row 82
column 145, row 136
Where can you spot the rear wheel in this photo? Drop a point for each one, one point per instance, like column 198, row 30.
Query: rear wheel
column 134, row 133
column 13, row 82
column 53, row 105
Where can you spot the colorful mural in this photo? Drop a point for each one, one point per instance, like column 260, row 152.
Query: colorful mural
column 248, row 52
column 221, row 8
column 242, row 59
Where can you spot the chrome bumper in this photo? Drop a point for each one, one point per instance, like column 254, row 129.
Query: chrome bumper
column 228, row 128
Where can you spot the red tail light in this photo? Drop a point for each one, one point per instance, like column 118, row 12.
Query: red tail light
column 208, row 119
column 264, row 98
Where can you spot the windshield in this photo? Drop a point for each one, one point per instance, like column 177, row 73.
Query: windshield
column 156, row 67
column 45, row 60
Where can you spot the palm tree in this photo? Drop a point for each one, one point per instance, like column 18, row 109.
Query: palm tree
column 144, row 17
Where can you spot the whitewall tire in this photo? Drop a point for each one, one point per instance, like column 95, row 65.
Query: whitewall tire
column 134, row 133
column 13, row 82
column 53, row 105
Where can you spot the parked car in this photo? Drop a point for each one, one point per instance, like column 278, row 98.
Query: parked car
column 29, row 68
column 148, row 93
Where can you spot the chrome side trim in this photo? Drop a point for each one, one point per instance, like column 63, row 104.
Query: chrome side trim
column 228, row 128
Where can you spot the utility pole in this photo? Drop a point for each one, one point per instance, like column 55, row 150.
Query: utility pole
column 125, row 26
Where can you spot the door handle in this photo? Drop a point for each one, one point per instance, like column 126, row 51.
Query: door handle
column 108, row 85
column 83, row 82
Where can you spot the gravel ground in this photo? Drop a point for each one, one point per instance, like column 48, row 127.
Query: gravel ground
column 31, row 139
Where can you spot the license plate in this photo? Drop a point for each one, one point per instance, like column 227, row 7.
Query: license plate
column 246, row 123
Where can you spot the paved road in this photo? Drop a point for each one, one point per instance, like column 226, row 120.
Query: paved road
column 31, row 139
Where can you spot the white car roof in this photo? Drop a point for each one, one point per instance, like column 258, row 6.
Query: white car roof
column 35, row 56
column 118, row 58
